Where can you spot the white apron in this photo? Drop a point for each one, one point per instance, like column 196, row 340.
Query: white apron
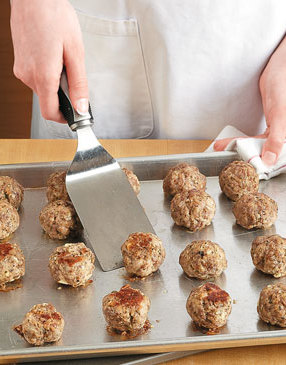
column 174, row 68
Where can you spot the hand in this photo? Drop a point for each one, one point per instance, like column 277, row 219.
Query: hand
column 273, row 92
column 46, row 34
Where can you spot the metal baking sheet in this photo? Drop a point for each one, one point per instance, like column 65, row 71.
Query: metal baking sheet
column 85, row 333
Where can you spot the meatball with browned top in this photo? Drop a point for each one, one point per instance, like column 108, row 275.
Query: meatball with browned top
column 143, row 253
column 11, row 191
column 126, row 309
column 271, row 306
column 72, row 264
column 12, row 263
column 238, row 178
column 133, row 180
column 209, row 306
column 193, row 209
column 183, row 177
column 9, row 219
column 269, row 254
column 56, row 187
column 59, row 220
column 203, row 259
column 256, row 210
column 41, row 324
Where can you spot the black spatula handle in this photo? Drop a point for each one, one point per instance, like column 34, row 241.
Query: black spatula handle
column 74, row 119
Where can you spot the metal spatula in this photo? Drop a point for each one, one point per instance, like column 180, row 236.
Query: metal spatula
column 99, row 190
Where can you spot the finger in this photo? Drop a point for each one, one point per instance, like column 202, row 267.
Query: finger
column 274, row 143
column 221, row 144
column 77, row 79
column 49, row 105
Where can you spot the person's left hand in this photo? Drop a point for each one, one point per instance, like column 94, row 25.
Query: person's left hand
column 273, row 92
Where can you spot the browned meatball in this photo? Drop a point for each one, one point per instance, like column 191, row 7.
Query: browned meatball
column 209, row 306
column 193, row 209
column 59, row 220
column 203, row 259
column 133, row 180
column 255, row 210
column 183, row 177
column 126, row 309
column 238, row 178
column 11, row 191
column 56, row 187
column 271, row 306
column 143, row 253
column 12, row 263
column 269, row 254
column 9, row 219
column 41, row 324
column 72, row 264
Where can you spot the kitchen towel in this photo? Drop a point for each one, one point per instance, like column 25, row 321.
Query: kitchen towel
column 249, row 149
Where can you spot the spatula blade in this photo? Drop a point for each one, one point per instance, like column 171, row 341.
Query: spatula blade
column 104, row 200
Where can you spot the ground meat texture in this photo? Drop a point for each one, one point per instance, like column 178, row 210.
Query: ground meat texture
column 183, row 177
column 271, row 306
column 209, row 306
column 56, row 187
column 143, row 253
column 9, row 219
column 41, row 324
column 59, row 220
column 11, row 191
column 72, row 264
column 12, row 263
column 238, row 178
column 193, row 209
column 255, row 210
column 269, row 254
column 133, row 180
column 126, row 309
column 203, row 260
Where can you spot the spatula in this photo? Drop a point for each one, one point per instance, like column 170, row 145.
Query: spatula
column 104, row 200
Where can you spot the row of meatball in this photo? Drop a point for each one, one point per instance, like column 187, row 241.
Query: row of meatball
column 193, row 208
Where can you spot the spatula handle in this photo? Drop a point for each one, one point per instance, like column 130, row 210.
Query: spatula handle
column 74, row 119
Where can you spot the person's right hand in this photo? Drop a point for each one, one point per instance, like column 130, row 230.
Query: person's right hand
column 46, row 35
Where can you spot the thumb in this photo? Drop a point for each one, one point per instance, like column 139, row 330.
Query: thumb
column 77, row 80
column 274, row 142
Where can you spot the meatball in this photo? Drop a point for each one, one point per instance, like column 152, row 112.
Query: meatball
column 41, row 324
column 203, row 259
column 126, row 309
column 271, row 306
column 183, row 177
column 143, row 253
column 193, row 209
column 11, row 191
column 133, row 180
column 238, row 178
column 12, row 263
column 9, row 219
column 56, row 187
column 269, row 254
column 255, row 210
column 72, row 264
column 209, row 306
column 59, row 220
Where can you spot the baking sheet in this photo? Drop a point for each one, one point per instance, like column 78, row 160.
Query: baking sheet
column 85, row 333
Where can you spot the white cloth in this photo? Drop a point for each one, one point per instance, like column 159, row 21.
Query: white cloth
column 249, row 149
column 174, row 68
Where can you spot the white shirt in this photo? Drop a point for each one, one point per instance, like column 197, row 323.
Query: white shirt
column 174, row 68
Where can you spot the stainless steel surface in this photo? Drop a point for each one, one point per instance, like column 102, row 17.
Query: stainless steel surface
column 126, row 360
column 85, row 334
column 104, row 200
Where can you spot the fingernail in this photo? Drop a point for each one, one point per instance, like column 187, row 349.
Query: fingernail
column 269, row 158
column 82, row 106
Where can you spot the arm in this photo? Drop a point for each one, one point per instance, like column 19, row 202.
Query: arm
column 272, row 85
column 46, row 34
